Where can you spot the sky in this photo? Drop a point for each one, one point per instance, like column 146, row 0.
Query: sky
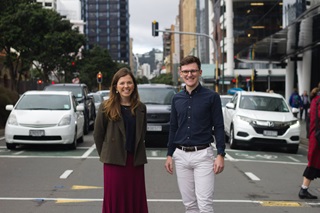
column 142, row 14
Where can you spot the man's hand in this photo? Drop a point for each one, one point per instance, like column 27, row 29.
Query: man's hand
column 168, row 165
column 218, row 164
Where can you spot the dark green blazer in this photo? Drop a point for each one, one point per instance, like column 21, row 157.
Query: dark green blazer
column 110, row 138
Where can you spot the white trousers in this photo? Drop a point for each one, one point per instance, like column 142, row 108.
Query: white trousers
column 195, row 179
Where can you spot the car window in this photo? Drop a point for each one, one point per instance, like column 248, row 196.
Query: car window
column 262, row 103
column 161, row 96
column 225, row 100
column 44, row 102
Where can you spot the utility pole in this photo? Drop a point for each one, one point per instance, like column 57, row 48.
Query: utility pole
column 155, row 29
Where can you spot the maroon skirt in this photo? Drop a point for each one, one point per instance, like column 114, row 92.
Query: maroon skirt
column 124, row 188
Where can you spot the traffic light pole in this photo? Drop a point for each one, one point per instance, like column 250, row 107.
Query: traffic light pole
column 214, row 45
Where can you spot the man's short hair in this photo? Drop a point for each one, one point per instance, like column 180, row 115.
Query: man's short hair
column 189, row 60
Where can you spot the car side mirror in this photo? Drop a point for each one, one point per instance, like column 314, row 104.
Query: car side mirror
column 230, row 105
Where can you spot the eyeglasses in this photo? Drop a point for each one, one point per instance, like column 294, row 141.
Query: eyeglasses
column 186, row 72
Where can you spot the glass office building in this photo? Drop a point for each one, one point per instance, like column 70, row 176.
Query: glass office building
column 107, row 25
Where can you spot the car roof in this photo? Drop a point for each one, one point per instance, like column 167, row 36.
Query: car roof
column 45, row 92
column 155, row 86
column 265, row 94
column 66, row 84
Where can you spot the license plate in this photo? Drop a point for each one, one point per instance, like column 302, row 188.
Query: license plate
column 154, row 128
column 36, row 133
column 270, row 133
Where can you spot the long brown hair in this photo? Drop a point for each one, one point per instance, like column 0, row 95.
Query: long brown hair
column 112, row 106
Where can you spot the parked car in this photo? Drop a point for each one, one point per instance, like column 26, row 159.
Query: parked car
column 224, row 100
column 45, row 117
column 80, row 91
column 104, row 93
column 97, row 98
column 157, row 98
column 262, row 119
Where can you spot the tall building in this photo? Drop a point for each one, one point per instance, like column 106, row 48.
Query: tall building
column 107, row 25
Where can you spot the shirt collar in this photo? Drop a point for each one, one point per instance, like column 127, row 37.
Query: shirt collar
column 196, row 90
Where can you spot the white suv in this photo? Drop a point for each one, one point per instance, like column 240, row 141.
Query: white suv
column 262, row 119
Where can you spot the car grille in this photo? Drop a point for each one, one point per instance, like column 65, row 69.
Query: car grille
column 280, row 130
column 37, row 125
column 268, row 141
column 32, row 138
column 158, row 118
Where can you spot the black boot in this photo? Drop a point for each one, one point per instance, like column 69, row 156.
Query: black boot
column 304, row 194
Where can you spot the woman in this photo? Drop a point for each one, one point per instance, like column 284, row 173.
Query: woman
column 313, row 169
column 119, row 134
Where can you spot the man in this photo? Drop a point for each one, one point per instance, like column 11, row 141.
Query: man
column 194, row 112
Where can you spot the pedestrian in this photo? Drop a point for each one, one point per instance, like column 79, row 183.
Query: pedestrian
column 119, row 134
column 305, row 105
column 295, row 101
column 313, row 94
column 312, row 170
column 194, row 112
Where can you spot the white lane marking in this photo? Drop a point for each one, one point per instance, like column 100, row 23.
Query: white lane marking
column 89, row 151
column 42, row 199
column 18, row 153
column 252, row 176
column 293, row 159
column 66, row 174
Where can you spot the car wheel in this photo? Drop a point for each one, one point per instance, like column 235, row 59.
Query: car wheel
column 80, row 140
column 232, row 141
column 293, row 149
column 86, row 125
column 74, row 143
column 11, row 146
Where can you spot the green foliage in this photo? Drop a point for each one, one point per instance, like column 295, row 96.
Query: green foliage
column 142, row 80
column 163, row 79
column 96, row 60
column 37, row 34
column 6, row 97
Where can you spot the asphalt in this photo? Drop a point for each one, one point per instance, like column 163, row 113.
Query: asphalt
column 303, row 136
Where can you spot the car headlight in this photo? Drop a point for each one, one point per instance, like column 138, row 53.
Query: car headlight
column 246, row 119
column 66, row 120
column 12, row 120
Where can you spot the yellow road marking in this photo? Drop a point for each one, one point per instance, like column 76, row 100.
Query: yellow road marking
column 73, row 201
column 281, row 203
column 78, row 187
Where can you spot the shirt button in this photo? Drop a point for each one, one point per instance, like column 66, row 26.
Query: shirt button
column 188, row 127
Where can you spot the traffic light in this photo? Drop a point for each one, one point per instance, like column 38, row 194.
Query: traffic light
column 39, row 81
column 255, row 75
column 99, row 78
column 233, row 81
column 155, row 28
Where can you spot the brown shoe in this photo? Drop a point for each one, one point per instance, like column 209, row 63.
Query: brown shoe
column 304, row 194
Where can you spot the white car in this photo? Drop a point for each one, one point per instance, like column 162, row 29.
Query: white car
column 224, row 100
column 261, row 119
column 98, row 99
column 104, row 93
column 45, row 117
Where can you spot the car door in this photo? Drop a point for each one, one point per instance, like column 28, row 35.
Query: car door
column 79, row 117
column 229, row 113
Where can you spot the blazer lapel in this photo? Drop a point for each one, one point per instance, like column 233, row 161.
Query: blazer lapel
column 140, row 114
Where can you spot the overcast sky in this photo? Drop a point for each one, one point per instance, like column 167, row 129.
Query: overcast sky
column 142, row 14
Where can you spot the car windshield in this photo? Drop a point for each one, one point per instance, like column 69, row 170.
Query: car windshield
column 76, row 91
column 44, row 102
column 263, row 103
column 160, row 96
column 97, row 98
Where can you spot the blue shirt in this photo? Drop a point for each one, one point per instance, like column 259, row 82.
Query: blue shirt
column 192, row 118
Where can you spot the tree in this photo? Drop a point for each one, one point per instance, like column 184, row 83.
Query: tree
column 163, row 79
column 96, row 60
column 36, row 34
